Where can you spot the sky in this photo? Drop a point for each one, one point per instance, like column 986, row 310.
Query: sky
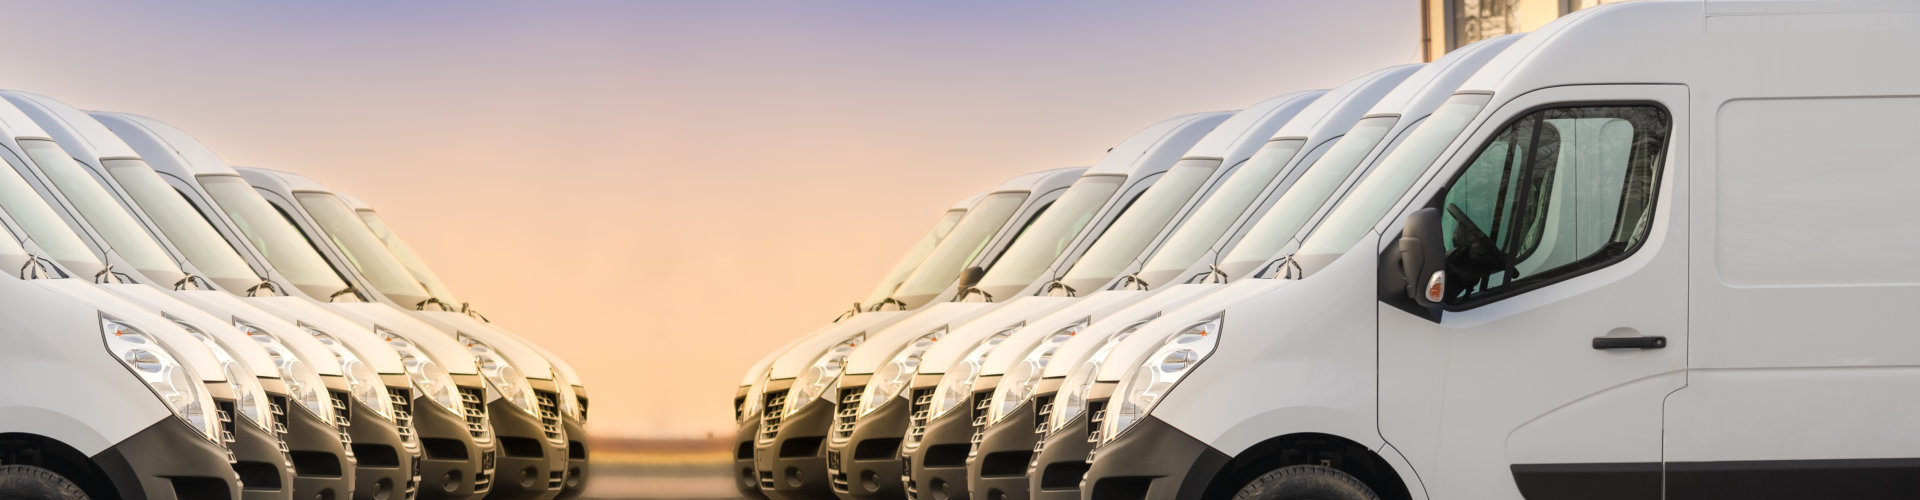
column 663, row 192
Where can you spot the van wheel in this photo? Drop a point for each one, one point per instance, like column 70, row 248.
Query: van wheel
column 1305, row 482
column 34, row 483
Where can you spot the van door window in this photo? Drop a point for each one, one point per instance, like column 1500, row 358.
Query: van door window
column 1556, row 193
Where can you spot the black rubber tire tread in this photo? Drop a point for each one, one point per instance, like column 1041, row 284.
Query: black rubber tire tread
column 33, row 483
column 1305, row 482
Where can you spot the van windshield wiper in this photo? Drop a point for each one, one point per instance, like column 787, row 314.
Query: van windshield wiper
column 37, row 267
column 885, row 301
column 1130, row 281
column 348, row 290
column 422, row 305
column 108, row 275
column 198, row 282
column 1057, row 285
column 264, row 284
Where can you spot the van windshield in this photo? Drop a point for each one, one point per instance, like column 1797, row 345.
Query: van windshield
column 1040, row 244
column 181, row 223
column 961, row 245
column 42, row 224
column 1369, row 201
column 914, row 257
column 1239, row 193
column 363, row 250
column 275, row 237
column 99, row 210
column 414, row 263
column 1289, row 213
column 1130, row 234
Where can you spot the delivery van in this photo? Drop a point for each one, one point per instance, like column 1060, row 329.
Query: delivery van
column 1060, row 235
column 980, row 236
column 746, row 402
column 463, row 451
column 57, row 202
column 1373, row 117
column 1602, row 285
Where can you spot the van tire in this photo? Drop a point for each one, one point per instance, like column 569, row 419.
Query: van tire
column 1305, row 482
column 33, row 483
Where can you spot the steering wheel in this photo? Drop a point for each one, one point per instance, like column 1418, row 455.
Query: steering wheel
column 1474, row 231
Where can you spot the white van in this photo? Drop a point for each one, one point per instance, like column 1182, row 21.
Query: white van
column 1080, row 298
column 1367, row 120
column 987, row 229
column 570, row 400
column 573, row 393
column 746, row 401
column 1060, row 235
column 328, row 226
column 1708, row 303
column 1193, row 174
column 299, row 284
column 108, row 400
column 58, row 204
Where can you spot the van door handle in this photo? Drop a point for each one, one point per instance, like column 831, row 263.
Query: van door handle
column 1648, row 342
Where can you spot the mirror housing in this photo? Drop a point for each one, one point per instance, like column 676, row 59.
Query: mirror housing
column 1423, row 257
column 971, row 276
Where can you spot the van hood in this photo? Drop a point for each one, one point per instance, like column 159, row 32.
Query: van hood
column 453, row 324
column 803, row 352
column 445, row 349
column 213, row 312
column 1130, row 352
column 1044, row 324
column 183, row 345
column 964, row 334
column 305, row 347
column 302, row 312
column 1138, row 305
column 883, row 344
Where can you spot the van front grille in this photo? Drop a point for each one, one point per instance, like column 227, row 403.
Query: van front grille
column 847, row 413
column 982, row 402
column 483, row 480
column 739, row 408
column 224, row 410
column 277, row 405
column 549, row 414
column 1043, row 414
column 583, row 408
column 402, row 412
column 770, row 415
column 472, row 401
column 919, row 414
column 1096, row 414
column 413, row 482
column 342, row 417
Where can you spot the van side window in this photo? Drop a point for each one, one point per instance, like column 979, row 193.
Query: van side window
column 1558, row 192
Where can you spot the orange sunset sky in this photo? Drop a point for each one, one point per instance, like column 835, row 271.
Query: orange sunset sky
column 663, row 192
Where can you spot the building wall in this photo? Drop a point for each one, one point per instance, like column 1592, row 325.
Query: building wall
column 1449, row 24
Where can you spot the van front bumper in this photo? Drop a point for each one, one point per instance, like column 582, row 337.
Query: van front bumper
column 744, row 479
column 530, row 466
column 321, row 466
column 1153, row 461
column 169, row 461
column 576, row 482
column 262, row 467
column 384, row 464
column 792, row 466
column 453, row 466
column 937, row 467
column 866, row 466
column 1061, row 462
column 998, row 470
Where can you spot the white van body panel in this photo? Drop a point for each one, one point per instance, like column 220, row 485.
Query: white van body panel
column 796, row 359
column 52, row 328
column 202, row 317
column 446, row 350
column 1043, row 322
column 183, row 345
column 1139, row 305
column 956, row 317
column 297, row 310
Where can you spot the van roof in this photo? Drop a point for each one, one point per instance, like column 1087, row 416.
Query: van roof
column 169, row 149
column 1423, row 92
column 1243, row 133
column 1335, row 112
column 1738, row 46
column 1146, row 149
column 80, row 135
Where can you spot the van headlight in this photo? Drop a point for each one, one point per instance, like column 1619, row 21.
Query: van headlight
column 1019, row 382
column 750, row 407
column 362, row 380
column 956, row 385
column 433, row 380
column 175, row 383
column 503, row 380
column 304, row 385
column 1146, row 384
column 824, row 372
column 894, row 377
column 249, row 398
column 569, row 400
column 1072, row 400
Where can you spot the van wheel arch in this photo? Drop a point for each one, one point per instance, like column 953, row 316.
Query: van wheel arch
column 1309, row 448
column 52, row 454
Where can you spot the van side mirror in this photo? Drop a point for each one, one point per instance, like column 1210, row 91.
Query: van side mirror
column 1423, row 258
column 971, row 276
